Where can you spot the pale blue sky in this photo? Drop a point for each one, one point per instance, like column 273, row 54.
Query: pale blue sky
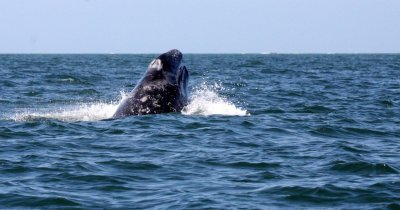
column 199, row 26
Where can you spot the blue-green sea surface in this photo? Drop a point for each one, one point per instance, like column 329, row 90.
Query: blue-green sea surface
column 265, row 131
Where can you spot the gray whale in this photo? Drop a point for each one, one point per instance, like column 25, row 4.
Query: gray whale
column 162, row 89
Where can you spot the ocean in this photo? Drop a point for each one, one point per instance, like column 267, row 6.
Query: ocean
column 261, row 131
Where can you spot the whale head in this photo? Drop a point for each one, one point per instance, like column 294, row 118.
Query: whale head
column 168, row 62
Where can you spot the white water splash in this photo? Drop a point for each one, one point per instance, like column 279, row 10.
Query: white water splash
column 206, row 101
column 203, row 101
column 80, row 112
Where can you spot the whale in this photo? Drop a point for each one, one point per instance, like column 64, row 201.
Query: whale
column 162, row 88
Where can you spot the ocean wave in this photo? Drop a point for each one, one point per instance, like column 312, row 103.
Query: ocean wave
column 329, row 193
column 364, row 168
column 20, row 200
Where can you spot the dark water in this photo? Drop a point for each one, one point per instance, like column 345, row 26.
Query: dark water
column 261, row 132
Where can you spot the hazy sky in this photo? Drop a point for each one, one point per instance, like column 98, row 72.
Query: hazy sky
column 199, row 26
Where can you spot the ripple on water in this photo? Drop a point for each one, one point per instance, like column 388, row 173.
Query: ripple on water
column 363, row 168
column 252, row 63
column 316, row 109
column 269, row 111
column 20, row 200
column 326, row 193
column 242, row 164
column 92, row 178
column 354, row 149
column 8, row 133
column 366, row 132
column 253, row 165
column 339, row 131
column 66, row 78
column 329, row 194
column 130, row 166
column 277, row 130
column 112, row 188
column 257, row 177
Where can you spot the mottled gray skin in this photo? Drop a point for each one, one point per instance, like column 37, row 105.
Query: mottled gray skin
column 163, row 88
